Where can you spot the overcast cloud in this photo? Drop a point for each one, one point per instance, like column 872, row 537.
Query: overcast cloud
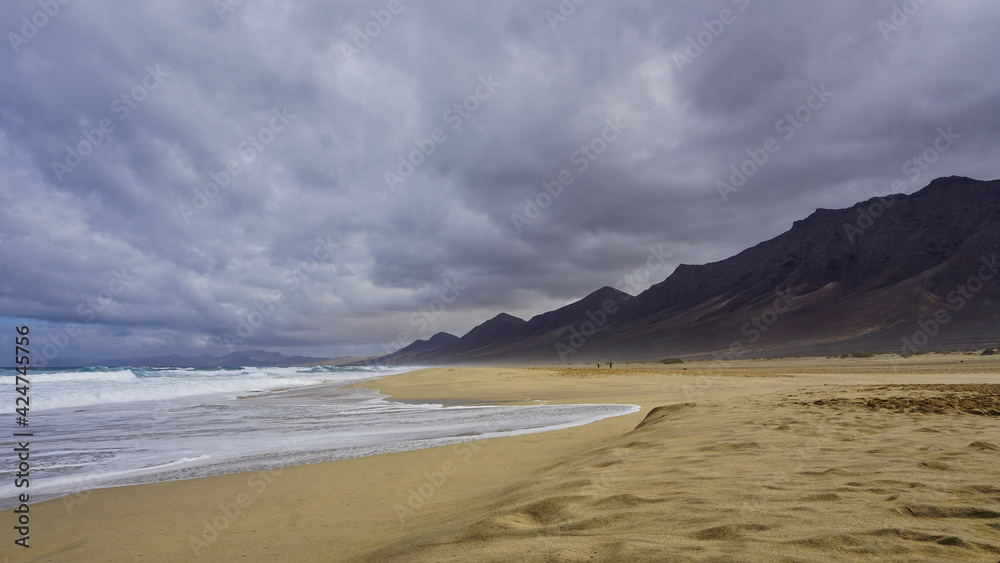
column 251, row 178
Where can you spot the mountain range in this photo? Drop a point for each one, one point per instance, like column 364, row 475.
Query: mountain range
column 257, row 358
column 896, row 273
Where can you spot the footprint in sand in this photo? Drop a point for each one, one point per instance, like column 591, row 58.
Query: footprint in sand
column 980, row 489
column 986, row 446
column 822, row 497
column 932, row 511
column 730, row 447
column 940, row 466
column 624, row 500
column 913, row 535
column 727, row 533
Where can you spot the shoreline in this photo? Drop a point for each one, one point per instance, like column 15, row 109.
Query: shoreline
column 335, row 390
column 439, row 502
column 208, row 517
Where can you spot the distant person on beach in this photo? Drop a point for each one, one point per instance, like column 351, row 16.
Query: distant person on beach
column 611, row 365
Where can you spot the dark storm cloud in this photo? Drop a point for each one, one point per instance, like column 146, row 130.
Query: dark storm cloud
column 314, row 177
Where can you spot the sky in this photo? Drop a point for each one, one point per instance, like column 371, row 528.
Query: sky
column 341, row 178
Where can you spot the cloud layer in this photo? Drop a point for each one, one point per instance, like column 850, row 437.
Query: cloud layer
column 340, row 178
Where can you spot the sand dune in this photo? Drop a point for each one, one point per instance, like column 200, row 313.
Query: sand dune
column 840, row 472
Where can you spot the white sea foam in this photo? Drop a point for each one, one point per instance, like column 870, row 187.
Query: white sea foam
column 103, row 386
column 109, row 427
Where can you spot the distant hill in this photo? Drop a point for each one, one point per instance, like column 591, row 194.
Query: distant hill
column 901, row 273
column 256, row 358
column 505, row 335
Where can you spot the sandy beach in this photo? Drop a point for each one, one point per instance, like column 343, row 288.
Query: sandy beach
column 761, row 460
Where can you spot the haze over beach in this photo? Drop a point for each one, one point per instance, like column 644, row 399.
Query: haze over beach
column 546, row 281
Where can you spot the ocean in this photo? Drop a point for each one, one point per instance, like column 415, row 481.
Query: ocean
column 103, row 427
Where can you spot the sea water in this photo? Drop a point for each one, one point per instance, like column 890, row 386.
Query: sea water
column 103, row 427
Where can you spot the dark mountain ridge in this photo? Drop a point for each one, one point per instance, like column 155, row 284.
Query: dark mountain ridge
column 864, row 277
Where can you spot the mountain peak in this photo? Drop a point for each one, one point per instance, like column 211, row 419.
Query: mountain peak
column 442, row 338
column 946, row 181
column 506, row 319
column 608, row 292
column 423, row 346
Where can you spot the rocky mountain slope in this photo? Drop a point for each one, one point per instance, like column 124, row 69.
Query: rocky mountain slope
column 901, row 273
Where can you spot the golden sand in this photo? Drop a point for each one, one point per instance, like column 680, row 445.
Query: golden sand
column 767, row 460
